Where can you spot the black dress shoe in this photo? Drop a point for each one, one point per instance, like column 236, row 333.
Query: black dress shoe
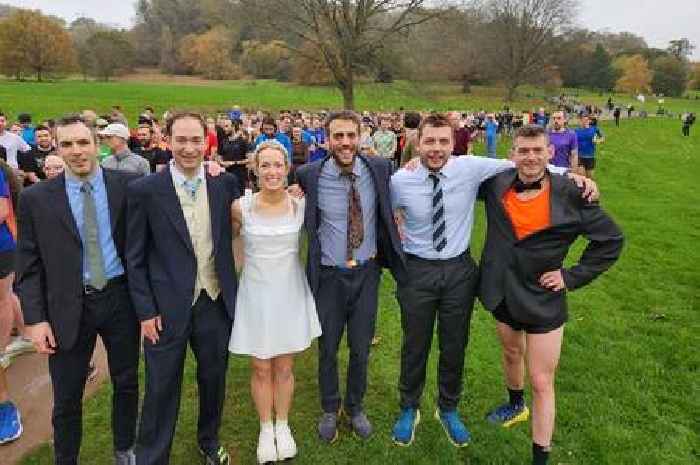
column 215, row 457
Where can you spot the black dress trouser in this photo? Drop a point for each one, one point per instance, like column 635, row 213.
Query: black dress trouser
column 442, row 290
column 110, row 314
column 346, row 297
column 207, row 331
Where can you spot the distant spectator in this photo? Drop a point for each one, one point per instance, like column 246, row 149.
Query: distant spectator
column 25, row 121
column 53, row 166
column 12, row 143
column 122, row 159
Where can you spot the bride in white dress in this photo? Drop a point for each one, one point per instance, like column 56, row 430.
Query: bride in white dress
column 275, row 311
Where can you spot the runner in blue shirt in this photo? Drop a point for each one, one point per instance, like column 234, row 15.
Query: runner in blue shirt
column 588, row 135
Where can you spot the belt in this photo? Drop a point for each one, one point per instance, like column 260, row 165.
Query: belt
column 459, row 257
column 351, row 264
column 90, row 290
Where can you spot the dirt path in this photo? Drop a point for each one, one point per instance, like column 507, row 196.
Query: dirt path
column 30, row 389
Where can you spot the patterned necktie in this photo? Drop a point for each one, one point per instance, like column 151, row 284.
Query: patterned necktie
column 356, row 229
column 191, row 186
column 439, row 239
column 91, row 243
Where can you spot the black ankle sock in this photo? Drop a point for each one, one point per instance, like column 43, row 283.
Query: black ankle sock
column 516, row 396
column 540, row 454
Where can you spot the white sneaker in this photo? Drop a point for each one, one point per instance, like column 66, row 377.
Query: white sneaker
column 286, row 447
column 267, row 452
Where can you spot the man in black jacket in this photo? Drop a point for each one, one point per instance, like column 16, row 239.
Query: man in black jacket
column 533, row 218
column 72, row 286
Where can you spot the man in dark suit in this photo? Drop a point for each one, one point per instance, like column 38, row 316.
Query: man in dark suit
column 352, row 235
column 72, row 287
column 183, row 283
column 533, row 218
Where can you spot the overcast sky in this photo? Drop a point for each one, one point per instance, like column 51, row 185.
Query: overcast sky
column 658, row 21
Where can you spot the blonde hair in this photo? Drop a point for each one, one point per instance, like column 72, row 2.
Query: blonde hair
column 271, row 144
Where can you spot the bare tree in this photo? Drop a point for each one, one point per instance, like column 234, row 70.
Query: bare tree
column 346, row 34
column 520, row 35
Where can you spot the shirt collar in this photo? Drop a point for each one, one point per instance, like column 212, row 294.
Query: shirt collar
column 180, row 178
column 74, row 181
column 122, row 155
column 445, row 171
column 335, row 169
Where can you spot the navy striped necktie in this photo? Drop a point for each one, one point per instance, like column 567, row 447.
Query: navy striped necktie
column 439, row 239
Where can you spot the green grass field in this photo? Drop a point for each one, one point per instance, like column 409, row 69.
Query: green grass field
column 52, row 99
column 628, row 381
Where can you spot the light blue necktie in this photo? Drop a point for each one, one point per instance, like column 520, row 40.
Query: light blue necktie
column 192, row 185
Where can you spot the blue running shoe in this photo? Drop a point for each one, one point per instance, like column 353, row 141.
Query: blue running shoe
column 508, row 415
column 10, row 423
column 405, row 427
column 456, row 432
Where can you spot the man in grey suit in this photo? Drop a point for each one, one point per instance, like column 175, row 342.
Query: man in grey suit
column 533, row 218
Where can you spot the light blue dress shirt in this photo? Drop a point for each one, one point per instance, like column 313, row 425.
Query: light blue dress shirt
column 112, row 264
column 333, row 192
column 412, row 192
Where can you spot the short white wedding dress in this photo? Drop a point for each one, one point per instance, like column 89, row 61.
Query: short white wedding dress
column 275, row 310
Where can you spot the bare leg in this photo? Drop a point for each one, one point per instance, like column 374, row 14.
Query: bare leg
column 513, row 344
column 284, row 385
column 261, row 388
column 543, row 352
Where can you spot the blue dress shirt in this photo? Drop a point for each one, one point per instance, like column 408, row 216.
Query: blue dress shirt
column 333, row 192
column 112, row 264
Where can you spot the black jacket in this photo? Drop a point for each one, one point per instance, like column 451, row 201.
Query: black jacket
column 510, row 268
column 50, row 257
column 161, row 262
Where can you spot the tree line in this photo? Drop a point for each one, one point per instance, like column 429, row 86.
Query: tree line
column 339, row 42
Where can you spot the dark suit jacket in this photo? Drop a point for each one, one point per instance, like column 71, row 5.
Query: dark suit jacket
column 510, row 268
column 389, row 251
column 161, row 263
column 49, row 252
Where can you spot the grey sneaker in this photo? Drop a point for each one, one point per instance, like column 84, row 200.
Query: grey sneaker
column 124, row 457
column 328, row 427
column 361, row 425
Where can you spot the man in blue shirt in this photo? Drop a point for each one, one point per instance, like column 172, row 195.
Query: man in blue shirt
column 588, row 135
column 74, row 292
column 541, row 118
column 435, row 205
column 491, row 129
column 319, row 134
column 269, row 131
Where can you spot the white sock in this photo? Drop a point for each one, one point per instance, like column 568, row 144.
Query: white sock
column 281, row 424
column 266, row 427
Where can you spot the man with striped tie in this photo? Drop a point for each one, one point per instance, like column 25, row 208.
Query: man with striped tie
column 434, row 205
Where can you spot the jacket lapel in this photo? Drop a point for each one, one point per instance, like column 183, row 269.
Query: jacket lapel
column 115, row 195
column 62, row 207
column 558, row 200
column 502, row 183
column 171, row 206
column 216, row 214
column 311, row 212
